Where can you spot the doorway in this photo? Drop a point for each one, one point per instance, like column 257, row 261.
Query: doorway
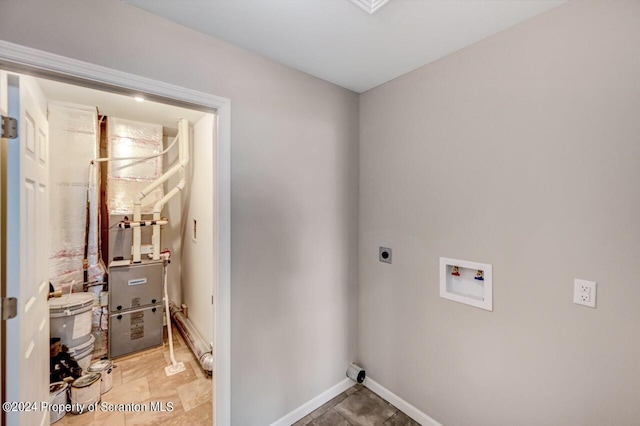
column 41, row 64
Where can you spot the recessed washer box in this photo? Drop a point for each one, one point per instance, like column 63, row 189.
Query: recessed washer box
column 467, row 282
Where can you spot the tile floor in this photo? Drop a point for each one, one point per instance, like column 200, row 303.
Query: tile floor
column 357, row 406
column 140, row 378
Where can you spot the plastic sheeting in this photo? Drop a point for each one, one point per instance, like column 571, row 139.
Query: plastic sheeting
column 74, row 135
column 126, row 178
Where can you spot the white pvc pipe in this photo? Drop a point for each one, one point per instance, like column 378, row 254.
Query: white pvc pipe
column 157, row 209
column 137, row 205
column 183, row 155
column 126, row 225
column 143, row 157
column 137, row 235
column 183, row 159
column 183, row 129
column 136, row 208
column 155, row 242
column 168, row 316
column 162, row 179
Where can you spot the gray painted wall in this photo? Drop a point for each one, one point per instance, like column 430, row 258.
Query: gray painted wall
column 294, row 190
column 521, row 151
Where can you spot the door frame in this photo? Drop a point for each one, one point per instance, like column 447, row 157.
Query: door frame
column 3, row 237
column 27, row 60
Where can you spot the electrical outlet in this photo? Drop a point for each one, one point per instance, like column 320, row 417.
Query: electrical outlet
column 584, row 293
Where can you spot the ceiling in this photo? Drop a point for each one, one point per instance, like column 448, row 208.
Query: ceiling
column 121, row 106
column 338, row 41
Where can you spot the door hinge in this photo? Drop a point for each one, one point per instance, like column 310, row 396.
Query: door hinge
column 8, row 127
column 9, row 308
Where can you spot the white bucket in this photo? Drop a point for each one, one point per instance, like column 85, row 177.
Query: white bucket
column 104, row 367
column 71, row 318
column 82, row 353
column 84, row 392
column 57, row 396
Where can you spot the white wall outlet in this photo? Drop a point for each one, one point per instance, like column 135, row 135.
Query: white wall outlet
column 584, row 293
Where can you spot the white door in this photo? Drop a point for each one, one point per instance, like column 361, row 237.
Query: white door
column 27, row 351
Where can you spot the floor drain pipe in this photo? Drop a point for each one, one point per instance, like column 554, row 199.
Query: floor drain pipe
column 356, row 373
column 200, row 349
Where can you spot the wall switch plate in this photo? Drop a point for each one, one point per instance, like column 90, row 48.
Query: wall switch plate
column 584, row 293
column 384, row 255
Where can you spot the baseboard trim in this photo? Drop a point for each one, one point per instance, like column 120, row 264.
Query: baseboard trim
column 400, row 403
column 317, row 402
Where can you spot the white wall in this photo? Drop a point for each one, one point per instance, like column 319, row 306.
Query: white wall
column 521, row 151
column 198, row 205
column 294, row 190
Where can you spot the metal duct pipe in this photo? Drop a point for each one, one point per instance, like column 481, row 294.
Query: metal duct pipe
column 200, row 349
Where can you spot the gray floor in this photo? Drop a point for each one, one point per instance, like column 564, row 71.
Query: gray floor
column 357, row 406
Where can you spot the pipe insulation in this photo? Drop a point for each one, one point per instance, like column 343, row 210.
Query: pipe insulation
column 198, row 346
